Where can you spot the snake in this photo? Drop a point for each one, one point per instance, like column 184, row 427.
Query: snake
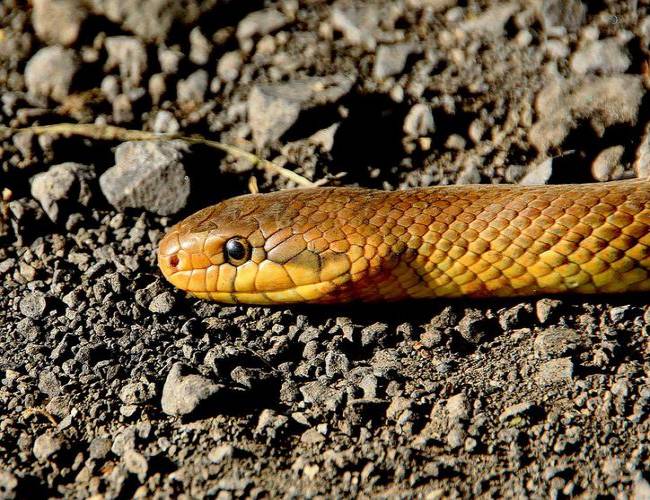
column 344, row 244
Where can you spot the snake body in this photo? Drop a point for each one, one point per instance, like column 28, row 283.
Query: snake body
column 331, row 245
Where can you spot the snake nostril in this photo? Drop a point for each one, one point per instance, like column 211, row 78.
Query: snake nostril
column 173, row 261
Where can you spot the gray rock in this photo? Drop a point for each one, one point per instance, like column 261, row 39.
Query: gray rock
column 150, row 19
column 538, row 174
column 456, row 437
column 469, row 175
column 492, row 21
column 130, row 56
column 221, row 453
column 270, row 423
column 110, row 87
column 193, row 88
column 391, row 59
column 99, row 447
column 516, row 410
column 28, row 329
column 458, row 408
column 183, row 393
column 312, row 436
column 229, row 66
column 641, row 488
column 260, row 23
column 642, row 160
column 62, row 188
column 273, row 109
column 358, row 23
column 157, row 87
column 162, row 303
column 136, row 464
column 122, row 109
column 555, row 371
column 607, row 165
column 546, row 308
column 609, row 101
column 165, row 123
column 138, row 392
column 473, row 327
column 147, row 175
column 419, row 121
column 601, row 56
column 567, row 14
column 46, row 445
column 169, row 60
column 49, row 73
column 556, row 342
column 336, row 363
column 602, row 101
column 33, row 305
column 374, row 334
column 434, row 5
column 200, row 47
column 8, row 485
column 49, row 383
column 58, row 22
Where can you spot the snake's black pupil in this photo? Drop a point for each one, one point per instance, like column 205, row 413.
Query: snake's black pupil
column 235, row 249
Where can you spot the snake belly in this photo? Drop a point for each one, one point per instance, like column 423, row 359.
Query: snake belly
column 332, row 245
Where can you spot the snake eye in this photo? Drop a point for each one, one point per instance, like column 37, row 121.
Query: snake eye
column 237, row 250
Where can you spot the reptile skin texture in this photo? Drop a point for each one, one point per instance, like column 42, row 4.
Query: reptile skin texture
column 332, row 245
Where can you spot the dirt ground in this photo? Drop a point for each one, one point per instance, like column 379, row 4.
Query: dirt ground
column 114, row 384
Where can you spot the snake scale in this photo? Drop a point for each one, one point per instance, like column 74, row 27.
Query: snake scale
column 332, row 245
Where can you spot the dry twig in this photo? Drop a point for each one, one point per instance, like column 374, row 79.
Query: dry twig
column 114, row 133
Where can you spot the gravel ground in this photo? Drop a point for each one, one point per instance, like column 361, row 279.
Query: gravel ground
column 113, row 384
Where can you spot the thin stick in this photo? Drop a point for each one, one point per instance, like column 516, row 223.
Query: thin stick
column 113, row 133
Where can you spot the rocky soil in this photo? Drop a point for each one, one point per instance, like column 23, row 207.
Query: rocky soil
column 113, row 384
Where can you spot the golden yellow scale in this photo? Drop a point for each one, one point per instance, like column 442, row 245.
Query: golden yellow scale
column 343, row 244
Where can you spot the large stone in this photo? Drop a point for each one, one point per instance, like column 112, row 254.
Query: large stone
column 273, row 109
column 147, row 175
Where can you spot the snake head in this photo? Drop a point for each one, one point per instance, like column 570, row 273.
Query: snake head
column 260, row 249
